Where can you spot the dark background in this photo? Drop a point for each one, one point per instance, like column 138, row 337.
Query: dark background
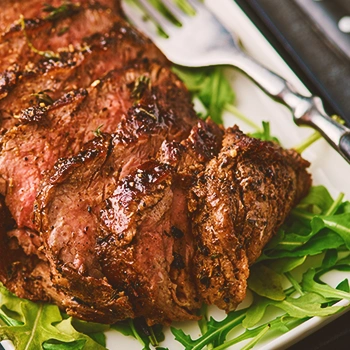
column 306, row 35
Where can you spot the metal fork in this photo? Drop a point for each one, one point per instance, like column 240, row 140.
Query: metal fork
column 203, row 41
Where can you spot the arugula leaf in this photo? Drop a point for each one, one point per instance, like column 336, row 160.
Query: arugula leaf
column 337, row 223
column 282, row 324
column 266, row 282
column 265, row 133
column 344, row 286
column 307, row 305
column 318, row 197
column 139, row 330
column 34, row 326
column 217, row 331
column 54, row 345
column 210, row 86
column 285, row 264
column 309, row 284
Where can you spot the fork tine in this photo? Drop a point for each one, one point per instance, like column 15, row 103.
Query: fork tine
column 180, row 8
column 195, row 3
column 139, row 17
column 163, row 16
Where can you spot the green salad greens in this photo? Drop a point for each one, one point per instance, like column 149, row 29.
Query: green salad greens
column 286, row 281
column 33, row 326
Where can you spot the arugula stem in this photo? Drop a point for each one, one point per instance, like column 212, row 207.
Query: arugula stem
column 203, row 322
column 249, row 333
column 308, row 142
column 335, row 205
column 206, row 339
column 216, row 91
column 163, row 9
column 302, row 214
column 294, row 283
column 135, row 333
column 257, row 338
column 236, row 112
column 152, row 338
column 47, row 54
column 308, row 216
column 315, row 136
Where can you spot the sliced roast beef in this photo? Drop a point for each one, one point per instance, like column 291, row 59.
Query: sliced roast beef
column 152, row 270
column 15, row 265
column 29, row 40
column 11, row 9
column 151, row 120
column 50, row 78
column 29, row 276
column 238, row 204
column 39, row 9
column 61, row 129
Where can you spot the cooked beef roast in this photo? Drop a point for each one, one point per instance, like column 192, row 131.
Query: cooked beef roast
column 115, row 200
column 44, row 81
column 237, row 205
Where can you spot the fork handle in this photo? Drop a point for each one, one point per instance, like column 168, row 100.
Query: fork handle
column 306, row 110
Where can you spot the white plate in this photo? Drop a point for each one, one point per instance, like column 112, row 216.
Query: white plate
column 328, row 167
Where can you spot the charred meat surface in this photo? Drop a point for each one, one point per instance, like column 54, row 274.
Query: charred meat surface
column 238, row 204
column 61, row 129
column 150, row 121
column 45, row 81
column 116, row 201
column 63, row 28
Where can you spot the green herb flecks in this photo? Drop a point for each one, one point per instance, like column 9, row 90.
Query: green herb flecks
column 47, row 54
column 98, row 132
column 151, row 115
column 62, row 30
column 43, row 97
column 141, row 85
column 65, row 10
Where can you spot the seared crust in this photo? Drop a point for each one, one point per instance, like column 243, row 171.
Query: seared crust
column 77, row 268
column 238, row 204
column 49, row 78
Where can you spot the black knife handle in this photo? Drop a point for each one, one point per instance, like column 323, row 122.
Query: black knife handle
column 327, row 15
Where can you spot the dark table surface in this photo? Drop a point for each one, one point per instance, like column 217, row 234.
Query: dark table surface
column 306, row 34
